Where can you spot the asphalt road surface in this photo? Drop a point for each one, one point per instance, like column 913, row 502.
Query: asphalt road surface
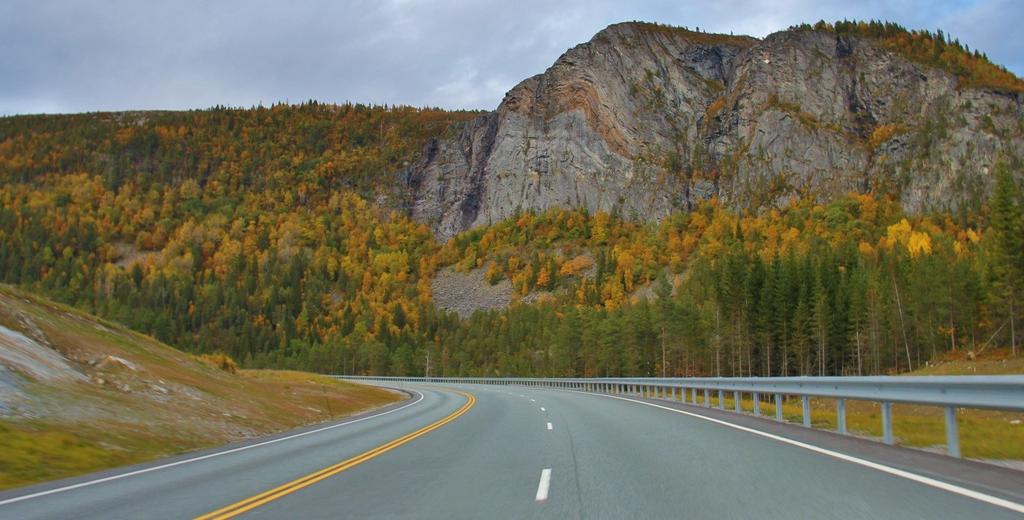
column 485, row 452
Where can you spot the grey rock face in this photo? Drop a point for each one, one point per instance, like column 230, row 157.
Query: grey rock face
column 646, row 120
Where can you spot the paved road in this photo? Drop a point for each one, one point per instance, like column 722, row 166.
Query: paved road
column 507, row 452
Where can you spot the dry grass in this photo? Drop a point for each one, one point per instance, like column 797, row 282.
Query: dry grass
column 984, row 434
column 169, row 403
column 999, row 361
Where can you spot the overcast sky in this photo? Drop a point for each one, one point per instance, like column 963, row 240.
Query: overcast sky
column 82, row 55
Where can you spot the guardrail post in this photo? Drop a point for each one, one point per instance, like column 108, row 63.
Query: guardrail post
column 887, row 422
column 841, row 415
column 721, row 399
column 757, row 404
column 952, row 435
column 707, row 398
column 675, row 393
column 778, row 407
column 736, row 399
column 806, row 402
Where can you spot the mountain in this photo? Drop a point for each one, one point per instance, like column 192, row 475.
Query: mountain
column 645, row 119
column 285, row 236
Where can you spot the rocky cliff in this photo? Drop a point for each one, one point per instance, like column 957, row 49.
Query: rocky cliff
column 645, row 120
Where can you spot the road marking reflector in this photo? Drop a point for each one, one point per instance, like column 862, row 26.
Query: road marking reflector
column 550, row 427
column 253, row 502
column 545, row 483
column 543, row 409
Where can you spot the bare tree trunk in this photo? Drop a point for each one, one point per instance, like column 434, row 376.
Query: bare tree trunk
column 785, row 355
column 903, row 326
column 952, row 327
column 686, row 355
column 859, row 366
column 662, row 351
column 718, row 341
column 821, row 351
column 1013, row 330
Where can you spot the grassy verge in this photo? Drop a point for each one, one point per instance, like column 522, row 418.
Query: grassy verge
column 984, row 434
column 33, row 451
column 134, row 399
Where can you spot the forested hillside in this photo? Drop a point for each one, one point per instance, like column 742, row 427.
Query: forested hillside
column 242, row 231
column 282, row 237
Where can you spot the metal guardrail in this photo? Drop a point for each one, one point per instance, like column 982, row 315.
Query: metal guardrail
column 948, row 392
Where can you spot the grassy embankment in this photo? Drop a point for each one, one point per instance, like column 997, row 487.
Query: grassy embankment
column 115, row 397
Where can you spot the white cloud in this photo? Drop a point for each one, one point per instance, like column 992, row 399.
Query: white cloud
column 68, row 55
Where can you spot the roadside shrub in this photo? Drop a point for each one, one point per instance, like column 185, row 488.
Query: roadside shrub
column 220, row 361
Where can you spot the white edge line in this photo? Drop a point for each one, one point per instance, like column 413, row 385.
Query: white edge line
column 202, row 457
column 550, row 427
column 945, row 486
column 543, row 485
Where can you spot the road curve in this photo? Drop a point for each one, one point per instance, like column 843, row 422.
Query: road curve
column 526, row 453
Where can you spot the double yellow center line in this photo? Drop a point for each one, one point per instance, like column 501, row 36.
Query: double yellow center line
column 253, row 502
